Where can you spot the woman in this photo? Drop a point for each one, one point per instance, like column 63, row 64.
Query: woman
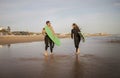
column 48, row 41
column 76, row 36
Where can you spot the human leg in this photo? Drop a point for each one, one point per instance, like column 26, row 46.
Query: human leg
column 46, row 45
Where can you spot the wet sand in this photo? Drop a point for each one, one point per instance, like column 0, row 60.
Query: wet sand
column 98, row 59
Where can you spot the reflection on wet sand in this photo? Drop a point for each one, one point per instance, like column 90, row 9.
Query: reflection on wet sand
column 26, row 60
column 1, row 46
column 30, row 59
column 77, row 68
column 55, row 67
column 8, row 45
column 46, row 58
column 49, row 68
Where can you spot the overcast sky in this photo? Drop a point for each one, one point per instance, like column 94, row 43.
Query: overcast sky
column 91, row 15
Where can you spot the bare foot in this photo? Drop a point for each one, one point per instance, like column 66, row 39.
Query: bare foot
column 46, row 53
column 51, row 53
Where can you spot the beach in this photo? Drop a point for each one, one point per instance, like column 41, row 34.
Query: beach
column 10, row 39
column 99, row 58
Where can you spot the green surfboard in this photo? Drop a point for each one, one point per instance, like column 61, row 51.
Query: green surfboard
column 82, row 36
column 54, row 38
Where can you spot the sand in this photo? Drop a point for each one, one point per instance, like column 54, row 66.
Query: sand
column 10, row 39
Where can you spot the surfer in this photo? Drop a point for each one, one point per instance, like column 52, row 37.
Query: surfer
column 48, row 41
column 76, row 36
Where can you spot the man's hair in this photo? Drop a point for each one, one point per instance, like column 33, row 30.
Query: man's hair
column 47, row 22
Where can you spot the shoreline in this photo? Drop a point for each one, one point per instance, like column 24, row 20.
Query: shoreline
column 12, row 39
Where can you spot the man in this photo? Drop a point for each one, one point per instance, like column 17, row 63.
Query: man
column 48, row 41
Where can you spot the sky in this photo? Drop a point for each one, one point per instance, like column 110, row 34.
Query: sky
column 92, row 16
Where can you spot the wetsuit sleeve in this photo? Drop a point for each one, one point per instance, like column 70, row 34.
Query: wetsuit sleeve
column 72, row 33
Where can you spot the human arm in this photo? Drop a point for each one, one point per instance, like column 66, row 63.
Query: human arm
column 43, row 32
column 72, row 33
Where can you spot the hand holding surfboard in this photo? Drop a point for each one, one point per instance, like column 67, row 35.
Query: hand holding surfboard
column 53, row 37
column 82, row 36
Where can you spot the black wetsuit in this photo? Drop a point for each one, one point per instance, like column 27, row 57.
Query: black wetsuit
column 77, row 38
column 47, row 42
